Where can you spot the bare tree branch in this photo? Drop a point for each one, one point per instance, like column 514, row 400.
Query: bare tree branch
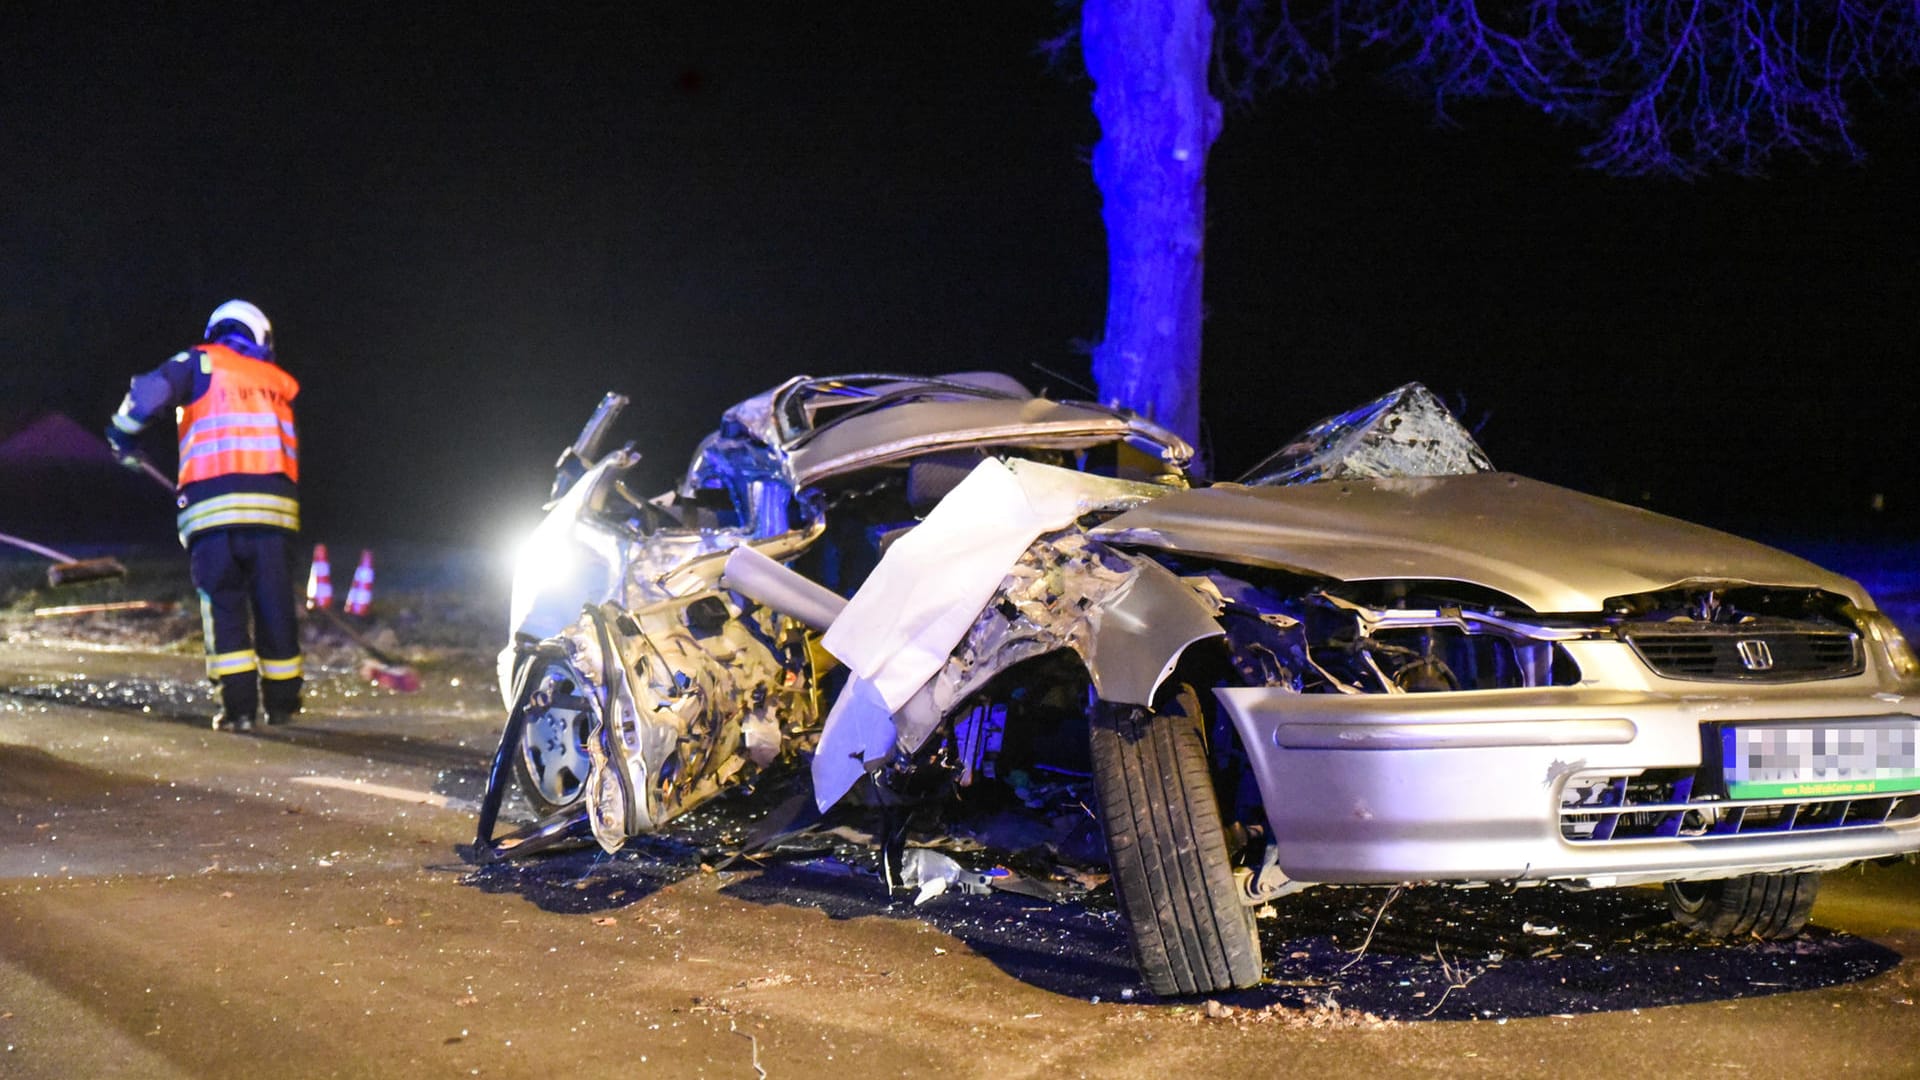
column 1674, row 87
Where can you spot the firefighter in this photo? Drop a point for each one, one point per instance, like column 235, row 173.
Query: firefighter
column 239, row 504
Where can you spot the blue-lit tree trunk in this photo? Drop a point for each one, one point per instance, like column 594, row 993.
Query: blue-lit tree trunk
column 1149, row 60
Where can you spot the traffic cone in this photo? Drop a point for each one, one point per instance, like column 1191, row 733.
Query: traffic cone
column 320, row 580
column 360, row 594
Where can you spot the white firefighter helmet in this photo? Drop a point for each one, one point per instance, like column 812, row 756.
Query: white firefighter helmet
column 243, row 314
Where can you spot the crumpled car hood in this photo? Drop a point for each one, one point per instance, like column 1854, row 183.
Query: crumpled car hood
column 1552, row 549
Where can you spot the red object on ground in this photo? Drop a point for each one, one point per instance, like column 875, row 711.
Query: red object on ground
column 320, row 580
column 396, row 677
column 360, row 594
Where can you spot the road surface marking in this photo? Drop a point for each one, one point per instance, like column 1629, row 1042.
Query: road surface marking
column 428, row 798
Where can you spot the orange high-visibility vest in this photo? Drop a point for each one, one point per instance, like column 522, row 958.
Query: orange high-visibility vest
column 243, row 423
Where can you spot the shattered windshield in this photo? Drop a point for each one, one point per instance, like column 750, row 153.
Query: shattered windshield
column 1408, row 431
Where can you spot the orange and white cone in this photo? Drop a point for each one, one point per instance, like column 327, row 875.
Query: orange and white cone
column 360, row 594
column 320, row 580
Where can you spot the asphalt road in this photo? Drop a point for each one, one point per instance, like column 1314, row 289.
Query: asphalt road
column 178, row 902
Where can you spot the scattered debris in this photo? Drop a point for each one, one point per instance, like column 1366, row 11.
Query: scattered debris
column 1377, row 916
column 1454, row 980
column 1323, row 1015
column 154, row 607
column 747, row 1035
column 931, row 873
column 377, row 666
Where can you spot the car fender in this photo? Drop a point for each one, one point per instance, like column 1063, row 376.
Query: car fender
column 1139, row 632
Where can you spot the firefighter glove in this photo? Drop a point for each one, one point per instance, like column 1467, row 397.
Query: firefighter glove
column 126, row 448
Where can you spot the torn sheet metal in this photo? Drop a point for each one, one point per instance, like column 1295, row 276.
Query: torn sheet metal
column 1137, row 634
column 808, row 429
column 928, row 592
column 753, row 476
column 930, row 873
column 1405, row 432
column 859, row 730
column 655, row 561
column 699, row 694
column 910, row 429
column 755, row 416
column 1127, row 618
column 760, row 415
column 899, row 629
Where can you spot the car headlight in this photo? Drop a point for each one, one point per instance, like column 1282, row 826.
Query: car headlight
column 1885, row 636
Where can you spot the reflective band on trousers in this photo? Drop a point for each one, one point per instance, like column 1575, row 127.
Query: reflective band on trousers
column 231, row 663
column 239, row 508
column 281, row 669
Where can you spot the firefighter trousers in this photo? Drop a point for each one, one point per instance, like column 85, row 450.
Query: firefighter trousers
column 251, row 618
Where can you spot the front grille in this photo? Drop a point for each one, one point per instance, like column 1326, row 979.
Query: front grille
column 1745, row 653
column 1661, row 804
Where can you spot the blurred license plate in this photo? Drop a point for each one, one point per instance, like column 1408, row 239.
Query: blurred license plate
column 1787, row 762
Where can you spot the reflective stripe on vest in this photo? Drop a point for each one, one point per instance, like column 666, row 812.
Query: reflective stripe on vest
column 239, row 508
column 242, row 424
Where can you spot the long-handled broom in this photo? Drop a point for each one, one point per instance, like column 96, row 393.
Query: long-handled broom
column 67, row 570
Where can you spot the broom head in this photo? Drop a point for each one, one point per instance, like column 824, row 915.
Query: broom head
column 84, row 570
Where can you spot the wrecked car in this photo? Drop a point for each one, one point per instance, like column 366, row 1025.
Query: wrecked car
column 660, row 650
column 1374, row 659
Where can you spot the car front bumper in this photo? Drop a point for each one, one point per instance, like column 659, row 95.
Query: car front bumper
column 1467, row 787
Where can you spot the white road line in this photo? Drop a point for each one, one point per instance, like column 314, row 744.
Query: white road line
column 426, row 798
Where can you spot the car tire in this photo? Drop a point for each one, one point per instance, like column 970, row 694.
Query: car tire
column 1768, row 906
column 551, row 763
column 1172, row 870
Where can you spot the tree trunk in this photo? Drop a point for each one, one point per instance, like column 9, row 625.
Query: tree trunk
column 1149, row 60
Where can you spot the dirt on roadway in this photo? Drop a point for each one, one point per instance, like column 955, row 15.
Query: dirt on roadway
column 178, row 902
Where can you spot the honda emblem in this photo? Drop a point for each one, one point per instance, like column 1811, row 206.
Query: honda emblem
column 1754, row 655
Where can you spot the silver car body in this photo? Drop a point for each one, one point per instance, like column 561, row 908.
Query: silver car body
column 1436, row 672
column 1475, row 785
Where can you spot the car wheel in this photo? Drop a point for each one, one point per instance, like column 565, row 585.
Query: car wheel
column 1769, row 906
column 552, row 765
column 1172, row 870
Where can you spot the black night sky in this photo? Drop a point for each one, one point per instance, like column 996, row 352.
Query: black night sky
column 465, row 228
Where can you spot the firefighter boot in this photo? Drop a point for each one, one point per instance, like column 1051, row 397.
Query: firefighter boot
column 282, row 699
column 239, row 701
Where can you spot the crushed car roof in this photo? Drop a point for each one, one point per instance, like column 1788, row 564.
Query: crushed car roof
column 827, row 426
